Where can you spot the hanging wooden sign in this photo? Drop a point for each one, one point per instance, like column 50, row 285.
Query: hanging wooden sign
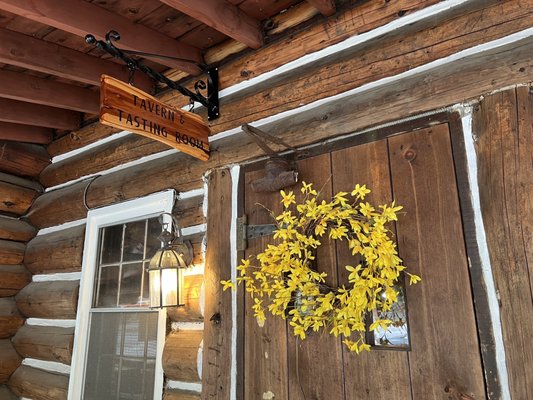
column 125, row 107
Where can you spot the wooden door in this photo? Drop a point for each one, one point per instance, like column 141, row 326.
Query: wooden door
column 416, row 169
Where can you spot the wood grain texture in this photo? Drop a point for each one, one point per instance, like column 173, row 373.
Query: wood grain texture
column 503, row 127
column 14, row 199
column 445, row 355
column 82, row 137
column 180, row 355
column 18, row 112
column 9, row 360
column 49, row 343
column 10, row 318
column 379, row 372
column 176, row 394
column 16, row 229
column 192, row 310
column 11, row 253
column 60, row 251
column 25, row 133
column 217, row 354
column 326, row 7
column 265, row 347
column 54, row 300
column 23, row 159
column 37, row 384
column 12, row 279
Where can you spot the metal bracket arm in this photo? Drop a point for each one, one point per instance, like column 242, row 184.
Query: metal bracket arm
column 211, row 102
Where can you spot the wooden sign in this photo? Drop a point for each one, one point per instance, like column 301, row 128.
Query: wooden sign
column 125, row 107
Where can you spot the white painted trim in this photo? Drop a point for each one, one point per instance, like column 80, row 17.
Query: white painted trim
column 63, row 276
column 144, row 207
column 61, row 323
column 193, row 230
column 61, row 227
column 49, row 366
column 481, row 240
column 235, row 174
column 190, row 194
column 187, row 326
column 193, row 387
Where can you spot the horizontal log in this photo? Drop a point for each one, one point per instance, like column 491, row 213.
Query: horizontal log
column 192, row 310
column 16, row 229
column 9, row 360
column 6, row 393
column 54, row 300
column 17, row 180
column 180, row 356
column 190, row 211
column 11, row 253
column 326, row 7
column 10, row 318
column 47, row 343
column 176, row 394
column 12, row 279
column 19, row 112
column 15, row 199
column 80, row 138
column 23, row 159
column 60, row 251
column 36, row 384
column 25, row 133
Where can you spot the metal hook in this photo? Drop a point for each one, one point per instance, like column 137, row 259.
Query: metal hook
column 131, row 76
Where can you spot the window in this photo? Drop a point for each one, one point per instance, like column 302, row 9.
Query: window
column 119, row 341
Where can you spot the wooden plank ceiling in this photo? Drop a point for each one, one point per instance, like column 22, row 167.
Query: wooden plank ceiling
column 49, row 76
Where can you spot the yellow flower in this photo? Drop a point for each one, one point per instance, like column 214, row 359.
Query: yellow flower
column 227, row 285
column 288, row 198
column 360, row 191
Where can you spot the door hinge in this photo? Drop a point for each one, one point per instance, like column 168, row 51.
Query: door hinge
column 245, row 232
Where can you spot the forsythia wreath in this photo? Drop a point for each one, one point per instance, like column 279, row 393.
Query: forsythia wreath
column 285, row 284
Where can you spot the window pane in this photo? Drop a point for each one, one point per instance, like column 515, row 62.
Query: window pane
column 398, row 333
column 152, row 241
column 111, row 246
column 108, row 286
column 130, row 285
column 134, row 241
column 118, row 363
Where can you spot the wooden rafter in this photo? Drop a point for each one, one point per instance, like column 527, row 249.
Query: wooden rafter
column 80, row 18
column 326, row 7
column 18, row 112
column 27, row 52
column 224, row 17
column 25, row 133
column 24, row 87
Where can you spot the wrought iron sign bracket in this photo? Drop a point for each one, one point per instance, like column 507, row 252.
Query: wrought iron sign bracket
column 211, row 102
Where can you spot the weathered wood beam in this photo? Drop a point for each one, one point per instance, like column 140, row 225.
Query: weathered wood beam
column 9, row 360
column 176, row 394
column 19, row 112
column 224, row 17
column 12, row 279
column 15, row 199
column 33, row 383
column 25, row 133
column 31, row 89
column 59, row 251
column 16, row 229
column 56, row 299
column 23, row 159
column 11, row 253
column 38, row 55
column 81, row 18
column 180, row 355
column 216, row 377
column 326, row 7
column 47, row 343
column 10, row 318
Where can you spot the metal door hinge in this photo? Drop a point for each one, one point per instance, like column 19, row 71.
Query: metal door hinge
column 245, row 232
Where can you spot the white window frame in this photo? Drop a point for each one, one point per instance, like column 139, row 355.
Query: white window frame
column 132, row 210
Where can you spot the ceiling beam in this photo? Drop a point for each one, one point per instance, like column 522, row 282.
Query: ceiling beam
column 326, row 7
column 80, row 17
column 38, row 55
column 25, row 133
column 24, row 87
column 224, row 17
column 19, row 112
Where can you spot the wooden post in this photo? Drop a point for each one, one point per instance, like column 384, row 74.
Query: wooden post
column 180, row 356
column 48, row 343
column 217, row 358
column 57, row 299
column 38, row 384
column 10, row 318
column 9, row 360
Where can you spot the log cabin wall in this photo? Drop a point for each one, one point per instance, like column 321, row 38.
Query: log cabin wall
column 397, row 59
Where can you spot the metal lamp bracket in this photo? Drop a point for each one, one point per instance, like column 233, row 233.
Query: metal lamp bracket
column 211, row 102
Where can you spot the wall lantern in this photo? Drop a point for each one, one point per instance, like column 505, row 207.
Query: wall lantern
column 165, row 271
